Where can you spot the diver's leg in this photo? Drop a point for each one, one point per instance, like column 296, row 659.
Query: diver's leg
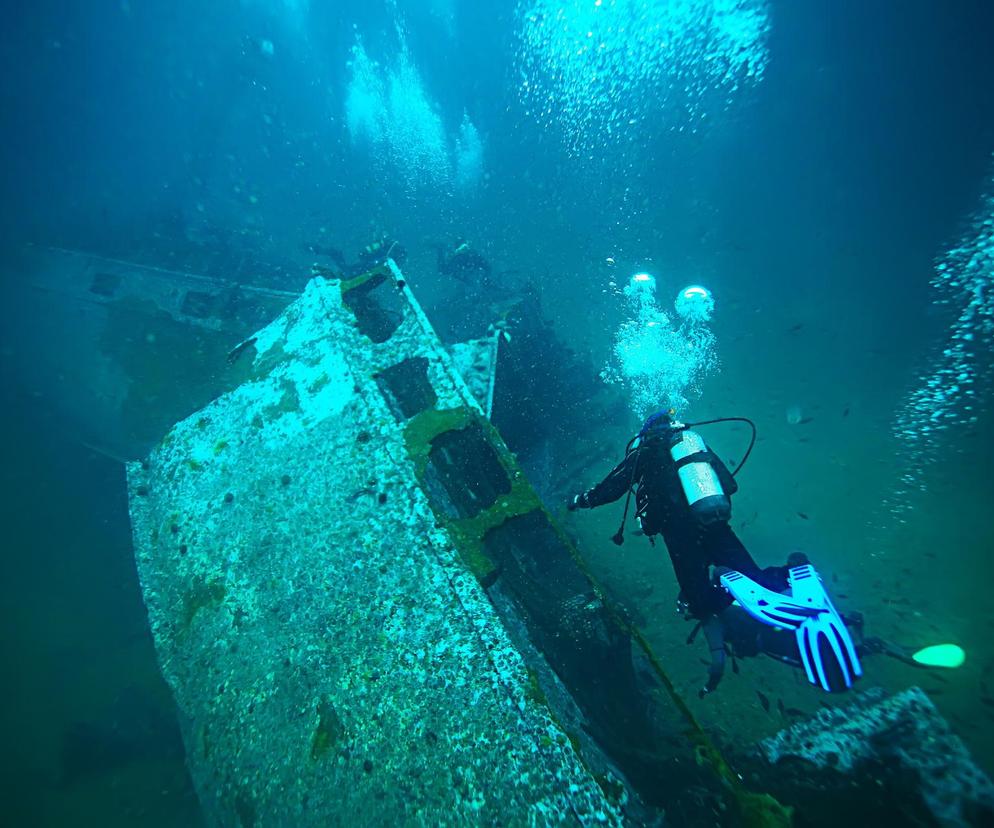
column 727, row 550
column 691, row 567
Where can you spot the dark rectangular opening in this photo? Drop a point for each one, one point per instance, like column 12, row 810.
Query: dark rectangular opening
column 529, row 543
column 377, row 305
column 464, row 475
column 406, row 388
column 105, row 284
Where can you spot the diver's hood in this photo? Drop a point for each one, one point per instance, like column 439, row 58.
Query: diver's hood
column 660, row 424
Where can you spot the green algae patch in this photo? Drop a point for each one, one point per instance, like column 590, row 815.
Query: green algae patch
column 469, row 533
column 203, row 594
column 533, row 689
column 289, row 401
column 319, row 383
column 265, row 362
column 612, row 788
column 328, row 732
column 425, row 427
column 350, row 284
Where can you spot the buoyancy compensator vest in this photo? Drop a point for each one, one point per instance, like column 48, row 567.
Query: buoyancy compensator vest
column 705, row 481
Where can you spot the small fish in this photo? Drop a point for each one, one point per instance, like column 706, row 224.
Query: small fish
column 845, row 411
column 803, row 516
column 841, row 595
column 793, row 711
column 764, row 700
column 987, row 700
column 835, row 578
column 780, row 707
column 796, row 328
column 805, row 420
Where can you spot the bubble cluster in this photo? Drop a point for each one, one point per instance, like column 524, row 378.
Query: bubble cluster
column 600, row 68
column 661, row 364
column 388, row 110
column 694, row 304
column 364, row 98
column 468, row 155
column 945, row 396
column 444, row 11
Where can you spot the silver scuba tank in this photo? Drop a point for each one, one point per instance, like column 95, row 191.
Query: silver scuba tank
column 701, row 486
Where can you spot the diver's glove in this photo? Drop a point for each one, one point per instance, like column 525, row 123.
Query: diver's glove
column 578, row 501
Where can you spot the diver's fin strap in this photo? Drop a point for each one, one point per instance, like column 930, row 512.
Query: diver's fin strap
column 808, row 612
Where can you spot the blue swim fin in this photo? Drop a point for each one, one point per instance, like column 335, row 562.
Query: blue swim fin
column 825, row 645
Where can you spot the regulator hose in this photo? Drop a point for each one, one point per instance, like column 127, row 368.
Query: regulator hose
column 752, row 440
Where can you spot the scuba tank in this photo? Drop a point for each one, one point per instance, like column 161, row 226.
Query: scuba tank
column 701, row 484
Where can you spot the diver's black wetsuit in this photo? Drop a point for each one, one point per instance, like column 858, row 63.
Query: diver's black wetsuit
column 693, row 548
column 466, row 265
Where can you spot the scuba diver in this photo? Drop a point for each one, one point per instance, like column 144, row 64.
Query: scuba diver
column 372, row 255
column 683, row 492
column 465, row 264
column 376, row 254
column 476, row 300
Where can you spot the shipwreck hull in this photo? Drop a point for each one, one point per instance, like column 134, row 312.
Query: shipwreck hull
column 365, row 612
